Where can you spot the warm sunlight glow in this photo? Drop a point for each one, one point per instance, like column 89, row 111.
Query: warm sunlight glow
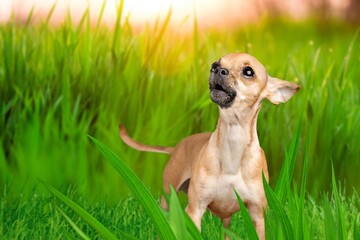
column 209, row 13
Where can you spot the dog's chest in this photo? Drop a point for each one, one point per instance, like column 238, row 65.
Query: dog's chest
column 224, row 201
column 227, row 183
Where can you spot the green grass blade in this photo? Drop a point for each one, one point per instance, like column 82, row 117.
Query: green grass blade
column 249, row 226
column 283, row 183
column 357, row 230
column 139, row 190
column 101, row 13
column 222, row 232
column 192, row 229
column 347, row 58
column 342, row 233
column 117, row 31
column 176, row 216
column 329, row 221
column 270, row 226
column 48, row 17
column 231, row 234
column 300, row 231
column 4, row 166
column 156, row 44
column 193, row 232
column 30, row 15
column 278, row 210
column 84, row 18
column 126, row 235
column 98, row 226
column 73, row 225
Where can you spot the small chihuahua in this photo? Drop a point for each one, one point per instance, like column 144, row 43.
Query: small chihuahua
column 209, row 166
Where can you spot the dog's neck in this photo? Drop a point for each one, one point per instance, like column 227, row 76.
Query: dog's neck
column 236, row 137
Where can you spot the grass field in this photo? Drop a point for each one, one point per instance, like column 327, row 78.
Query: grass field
column 37, row 218
column 290, row 215
column 59, row 84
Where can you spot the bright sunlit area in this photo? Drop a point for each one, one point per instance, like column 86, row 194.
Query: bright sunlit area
column 209, row 13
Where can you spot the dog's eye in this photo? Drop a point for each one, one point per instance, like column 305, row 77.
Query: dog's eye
column 248, row 72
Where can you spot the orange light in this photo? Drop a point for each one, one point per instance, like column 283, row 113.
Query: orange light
column 209, row 13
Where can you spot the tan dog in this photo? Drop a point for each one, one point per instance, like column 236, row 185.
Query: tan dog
column 209, row 166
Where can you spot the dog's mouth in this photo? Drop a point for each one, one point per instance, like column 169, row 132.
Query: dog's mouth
column 222, row 95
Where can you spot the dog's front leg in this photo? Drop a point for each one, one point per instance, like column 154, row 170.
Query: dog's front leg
column 196, row 207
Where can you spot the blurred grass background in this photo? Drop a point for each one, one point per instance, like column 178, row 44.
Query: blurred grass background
column 59, row 84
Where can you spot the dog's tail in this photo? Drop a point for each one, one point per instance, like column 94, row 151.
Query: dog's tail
column 139, row 146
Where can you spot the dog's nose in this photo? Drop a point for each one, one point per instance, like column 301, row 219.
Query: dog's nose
column 220, row 71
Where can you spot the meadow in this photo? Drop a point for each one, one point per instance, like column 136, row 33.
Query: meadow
column 59, row 85
column 290, row 214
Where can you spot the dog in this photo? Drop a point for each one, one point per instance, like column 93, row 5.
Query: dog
column 210, row 166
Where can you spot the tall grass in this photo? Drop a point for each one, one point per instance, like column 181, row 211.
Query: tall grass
column 289, row 216
column 59, row 84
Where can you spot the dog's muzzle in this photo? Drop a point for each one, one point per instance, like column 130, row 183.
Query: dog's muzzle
column 220, row 92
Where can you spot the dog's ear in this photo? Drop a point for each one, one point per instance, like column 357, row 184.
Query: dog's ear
column 280, row 91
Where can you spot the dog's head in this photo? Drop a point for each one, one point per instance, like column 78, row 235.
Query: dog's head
column 239, row 78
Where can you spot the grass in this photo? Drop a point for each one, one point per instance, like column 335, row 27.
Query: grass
column 59, row 84
column 294, row 217
column 37, row 218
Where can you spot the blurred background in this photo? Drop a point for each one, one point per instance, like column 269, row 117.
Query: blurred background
column 209, row 13
column 69, row 69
